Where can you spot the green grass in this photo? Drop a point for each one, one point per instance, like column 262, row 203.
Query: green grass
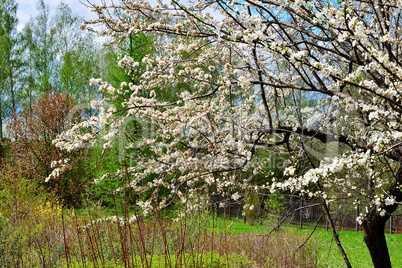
column 235, row 226
column 329, row 255
column 207, row 259
column 355, row 249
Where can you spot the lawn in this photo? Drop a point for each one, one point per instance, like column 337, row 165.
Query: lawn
column 329, row 255
column 355, row 248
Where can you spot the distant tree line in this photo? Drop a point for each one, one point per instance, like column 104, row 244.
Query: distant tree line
column 50, row 52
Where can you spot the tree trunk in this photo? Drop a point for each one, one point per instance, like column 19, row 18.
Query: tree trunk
column 374, row 226
column 374, row 237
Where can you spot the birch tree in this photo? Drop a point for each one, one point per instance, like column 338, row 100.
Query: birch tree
column 58, row 55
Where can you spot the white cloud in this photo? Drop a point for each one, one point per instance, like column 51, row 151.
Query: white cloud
column 27, row 9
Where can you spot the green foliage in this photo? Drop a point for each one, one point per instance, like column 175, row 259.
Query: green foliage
column 207, row 259
column 274, row 207
column 4, row 147
column 202, row 260
column 11, row 240
column 10, row 64
column 80, row 57
column 30, row 224
column 58, row 55
column 136, row 47
column 100, row 164
column 39, row 40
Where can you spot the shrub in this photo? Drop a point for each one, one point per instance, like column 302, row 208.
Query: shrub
column 31, row 133
column 32, row 232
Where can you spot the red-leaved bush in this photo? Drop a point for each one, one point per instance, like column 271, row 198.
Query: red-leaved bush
column 31, row 132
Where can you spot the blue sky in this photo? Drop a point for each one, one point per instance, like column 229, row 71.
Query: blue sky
column 27, row 8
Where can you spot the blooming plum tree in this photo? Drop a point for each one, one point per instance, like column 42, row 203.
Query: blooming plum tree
column 316, row 81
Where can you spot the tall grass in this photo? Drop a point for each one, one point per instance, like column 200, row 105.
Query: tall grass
column 189, row 242
column 35, row 231
column 41, row 234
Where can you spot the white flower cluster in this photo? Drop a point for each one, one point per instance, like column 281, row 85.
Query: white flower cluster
column 123, row 221
column 59, row 167
column 254, row 92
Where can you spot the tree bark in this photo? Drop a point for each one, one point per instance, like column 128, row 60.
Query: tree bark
column 374, row 226
column 374, row 237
